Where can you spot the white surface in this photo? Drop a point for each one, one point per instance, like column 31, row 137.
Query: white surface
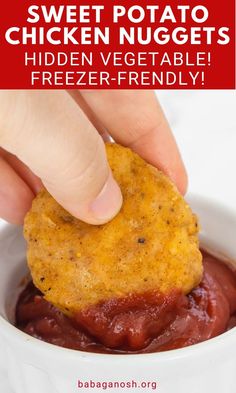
column 204, row 124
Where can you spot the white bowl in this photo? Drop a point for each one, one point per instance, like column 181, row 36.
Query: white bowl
column 37, row 367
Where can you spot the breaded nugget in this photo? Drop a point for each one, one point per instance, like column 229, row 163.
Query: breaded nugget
column 151, row 245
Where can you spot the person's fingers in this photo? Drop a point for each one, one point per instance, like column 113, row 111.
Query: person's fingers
column 76, row 95
column 34, row 183
column 15, row 195
column 135, row 119
column 50, row 134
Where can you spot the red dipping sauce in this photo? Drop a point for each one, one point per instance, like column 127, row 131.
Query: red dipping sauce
column 138, row 323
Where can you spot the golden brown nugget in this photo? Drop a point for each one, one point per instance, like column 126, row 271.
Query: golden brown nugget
column 151, row 245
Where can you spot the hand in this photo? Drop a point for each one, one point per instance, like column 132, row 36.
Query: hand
column 55, row 138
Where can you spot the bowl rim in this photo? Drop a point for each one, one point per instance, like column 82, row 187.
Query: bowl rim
column 21, row 338
column 48, row 349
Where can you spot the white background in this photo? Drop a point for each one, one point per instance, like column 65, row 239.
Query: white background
column 204, row 124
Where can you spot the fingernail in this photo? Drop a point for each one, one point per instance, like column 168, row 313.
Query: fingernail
column 108, row 202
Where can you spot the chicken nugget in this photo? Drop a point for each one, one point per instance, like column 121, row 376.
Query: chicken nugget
column 150, row 246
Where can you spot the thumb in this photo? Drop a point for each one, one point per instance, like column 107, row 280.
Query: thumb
column 50, row 134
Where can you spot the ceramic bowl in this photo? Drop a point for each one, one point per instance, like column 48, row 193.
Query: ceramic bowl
column 38, row 367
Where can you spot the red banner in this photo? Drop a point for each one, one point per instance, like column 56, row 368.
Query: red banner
column 117, row 44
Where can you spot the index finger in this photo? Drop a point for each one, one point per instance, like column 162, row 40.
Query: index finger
column 135, row 119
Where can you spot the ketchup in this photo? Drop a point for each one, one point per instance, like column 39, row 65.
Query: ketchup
column 141, row 323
